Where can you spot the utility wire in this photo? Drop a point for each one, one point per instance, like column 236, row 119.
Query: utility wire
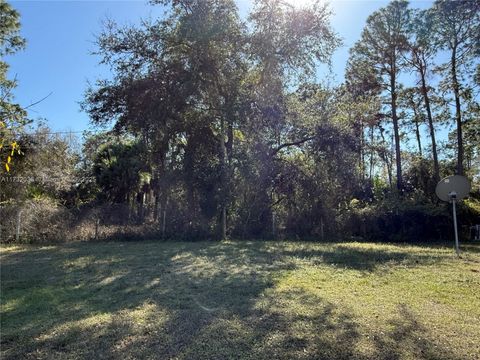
column 56, row 132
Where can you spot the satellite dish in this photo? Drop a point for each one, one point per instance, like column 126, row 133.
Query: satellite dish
column 455, row 186
column 453, row 189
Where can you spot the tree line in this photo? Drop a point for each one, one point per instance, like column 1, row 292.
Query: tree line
column 213, row 125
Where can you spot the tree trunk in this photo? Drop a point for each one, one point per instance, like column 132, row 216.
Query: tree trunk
column 387, row 161
column 17, row 230
column 156, row 204
column 371, row 153
column 322, row 229
column 164, row 217
column 389, row 172
column 274, row 225
column 149, row 204
column 426, row 99
column 158, row 189
column 229, row 144
column 223, row 180
column 362, row 153
column 458, row 114
column 140, row 206
column 417, row 125
column 398, row 159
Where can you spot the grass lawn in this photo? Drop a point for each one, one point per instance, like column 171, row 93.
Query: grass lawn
column 239, row 300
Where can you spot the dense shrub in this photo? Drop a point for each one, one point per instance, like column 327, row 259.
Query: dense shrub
column 408, row 219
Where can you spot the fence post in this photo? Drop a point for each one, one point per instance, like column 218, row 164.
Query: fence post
column 97, row 221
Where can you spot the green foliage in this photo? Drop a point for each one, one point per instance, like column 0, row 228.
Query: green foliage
column 457, row 26
column 46, row 167
column 215, row 127
column 118, row 170
column 12, row 115
column 411, row 218
column 384, row 40
column 397, row 219
column 234, row 128
column 193, row 84
column 473, row 204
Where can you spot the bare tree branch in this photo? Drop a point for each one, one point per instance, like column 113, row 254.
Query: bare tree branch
column 293, row 143
column 37, row 102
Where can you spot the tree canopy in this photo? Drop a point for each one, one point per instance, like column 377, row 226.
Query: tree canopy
column 213, row 125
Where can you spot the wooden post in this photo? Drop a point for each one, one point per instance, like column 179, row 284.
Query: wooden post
column 97, row 222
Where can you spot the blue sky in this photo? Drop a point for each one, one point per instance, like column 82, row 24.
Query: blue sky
column 60, row 38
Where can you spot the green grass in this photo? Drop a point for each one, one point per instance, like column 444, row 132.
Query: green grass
column 239, row 300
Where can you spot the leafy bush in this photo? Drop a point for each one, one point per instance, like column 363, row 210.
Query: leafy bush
column 407, row 219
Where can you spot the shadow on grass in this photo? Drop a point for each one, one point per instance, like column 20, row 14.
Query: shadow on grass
column 473, row 247
column 365, row 259
column 407, row 338
column 186, row 301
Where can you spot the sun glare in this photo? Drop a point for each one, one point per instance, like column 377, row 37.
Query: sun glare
column 300, row 3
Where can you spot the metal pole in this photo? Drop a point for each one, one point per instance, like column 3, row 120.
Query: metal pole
column 455, row 226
